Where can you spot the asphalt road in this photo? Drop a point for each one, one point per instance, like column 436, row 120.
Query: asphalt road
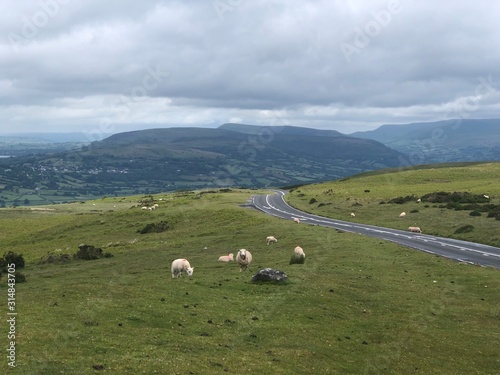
column 462, row 251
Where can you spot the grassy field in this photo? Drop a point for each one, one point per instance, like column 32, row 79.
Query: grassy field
column 365, row 195
column 357, row 306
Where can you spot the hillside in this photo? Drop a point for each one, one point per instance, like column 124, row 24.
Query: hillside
column 358, row 305
column 442, row 141
column 158, row 160
column 453, row 200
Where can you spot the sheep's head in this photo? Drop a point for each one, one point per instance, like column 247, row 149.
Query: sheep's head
column 189, row 271
column 231, row 256
column 243, row 254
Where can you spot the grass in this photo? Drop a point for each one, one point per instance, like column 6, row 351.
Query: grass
column 357, row 305
column 363, row 195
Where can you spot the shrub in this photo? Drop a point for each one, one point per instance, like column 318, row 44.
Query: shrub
column 367, row 191
column 312, row 200
column 475, row 213
column 414, row 211
column 465, row 229
column 55, row 258
column 162, row 226
column 88, row 252
column 11, row 258
column 401, row 200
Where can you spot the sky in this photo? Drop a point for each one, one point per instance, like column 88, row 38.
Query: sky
column 103, row 67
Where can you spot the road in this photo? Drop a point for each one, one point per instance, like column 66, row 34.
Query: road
column 462, row 251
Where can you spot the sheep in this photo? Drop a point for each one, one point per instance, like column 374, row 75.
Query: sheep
column 353, row 214
column 402, row 215
column 298, row 256
column 415, row 229
column 155, row 205
column 226, row 258
column 296, row 219
column 144, row 208
column 270, row 239
column 244, row 258
column 180, row 265
column 419, row 200
column 486, row 196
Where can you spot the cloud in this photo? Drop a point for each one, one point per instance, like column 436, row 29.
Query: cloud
column 69, row 66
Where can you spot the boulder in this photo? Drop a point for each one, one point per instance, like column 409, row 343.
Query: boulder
column 268, row 274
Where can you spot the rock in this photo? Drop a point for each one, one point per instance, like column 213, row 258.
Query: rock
column 268, row 274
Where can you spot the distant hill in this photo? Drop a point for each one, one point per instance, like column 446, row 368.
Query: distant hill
column 79, row 137
column 22, row 144
column 442, row 141
column 153, row 160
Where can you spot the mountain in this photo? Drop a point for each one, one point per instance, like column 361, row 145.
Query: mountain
column 263, row 130
column 154, row 160
column 442, row 141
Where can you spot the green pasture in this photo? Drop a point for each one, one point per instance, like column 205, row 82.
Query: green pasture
column 367, row 195
column 358, row 305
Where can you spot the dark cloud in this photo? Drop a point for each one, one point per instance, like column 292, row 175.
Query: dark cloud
column 72, row 65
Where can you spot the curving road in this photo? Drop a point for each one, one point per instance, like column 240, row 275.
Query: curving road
column 463, row 251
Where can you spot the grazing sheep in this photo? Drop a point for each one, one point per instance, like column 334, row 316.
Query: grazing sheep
column 353, row 214
column 155, row 205
column 296, row 219
column 244, row 258
column 180, row 265
column 298, row 256
column 226, row 258
column 415, row 229
column 486, row 196
column 270, row 239
column 419, row 200
column 144, row 208
column 402, row 215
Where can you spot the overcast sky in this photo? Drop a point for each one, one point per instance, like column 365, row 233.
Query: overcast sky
column 109, row 66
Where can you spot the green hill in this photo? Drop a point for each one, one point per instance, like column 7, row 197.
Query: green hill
column 378, row 198
column 458, row 140
column 358, row 305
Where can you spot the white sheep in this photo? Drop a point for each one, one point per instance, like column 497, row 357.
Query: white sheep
column 155, row 205
column 486, row 196
column 419, row 200
column 298, row 256
column 180, row 265
column 144, row 208
column 244, row 258
column 270, row 239
column 299, row 252
column 353, row 214
column 296, row 219
column 226, row 258
column 402, row 215
column 415, row 229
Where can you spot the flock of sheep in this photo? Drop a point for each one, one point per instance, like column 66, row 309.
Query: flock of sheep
column 243, row 258
column 402, row 215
